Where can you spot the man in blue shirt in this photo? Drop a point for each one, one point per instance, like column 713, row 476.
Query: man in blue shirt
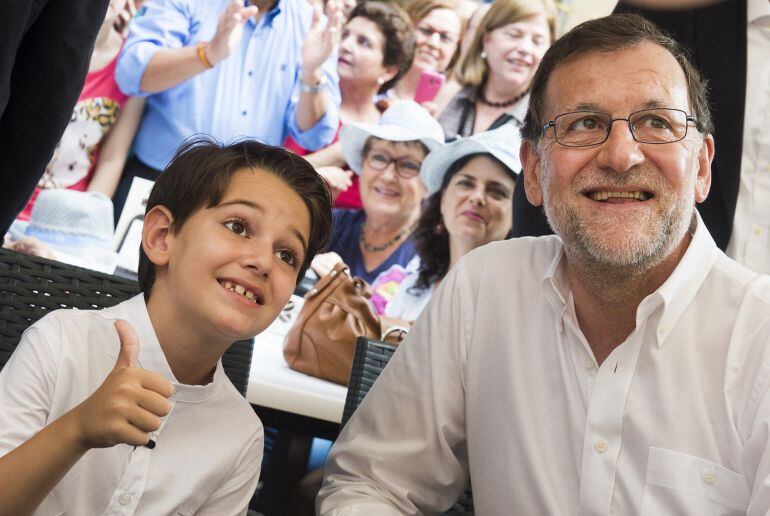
column 258, row 69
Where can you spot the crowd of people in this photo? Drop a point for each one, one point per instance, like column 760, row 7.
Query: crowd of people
column 619, row 365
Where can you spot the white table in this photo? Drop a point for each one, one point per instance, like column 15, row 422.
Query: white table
column 274, row 385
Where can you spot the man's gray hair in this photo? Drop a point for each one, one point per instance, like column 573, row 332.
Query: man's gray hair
column 609, row 34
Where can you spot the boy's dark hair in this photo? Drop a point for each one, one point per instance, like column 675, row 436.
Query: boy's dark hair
column 200, row 173
column 609, row 34
column 397, row 31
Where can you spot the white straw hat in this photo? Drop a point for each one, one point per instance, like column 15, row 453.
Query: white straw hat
column 503, row 143
column 403, row 121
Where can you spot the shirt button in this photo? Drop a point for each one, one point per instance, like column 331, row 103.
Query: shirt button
column 124, row 499
column 757, row 231
column 767, row 167
column 709, row 476
column 243, row 112
column 588, row 364
column 600, row 446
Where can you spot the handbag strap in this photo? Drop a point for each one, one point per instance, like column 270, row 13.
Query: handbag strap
column 327, row 280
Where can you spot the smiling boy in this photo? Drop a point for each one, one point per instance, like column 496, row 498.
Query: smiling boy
column 228, row 231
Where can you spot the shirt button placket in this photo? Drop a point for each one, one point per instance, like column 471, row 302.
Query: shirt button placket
column 601, row 446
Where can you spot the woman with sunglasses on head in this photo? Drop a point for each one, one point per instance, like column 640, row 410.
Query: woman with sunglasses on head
column 387, row 157
column 494, row 75
column 470, row 185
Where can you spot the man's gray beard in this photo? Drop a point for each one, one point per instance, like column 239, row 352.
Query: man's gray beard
column 631, row 256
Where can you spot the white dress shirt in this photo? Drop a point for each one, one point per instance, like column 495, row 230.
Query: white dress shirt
column 497, row 380
column 208, row 449
column 750, row 240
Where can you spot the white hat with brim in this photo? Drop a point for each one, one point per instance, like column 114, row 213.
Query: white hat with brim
column 72, row 220
column 503, row 143
column 403, row 121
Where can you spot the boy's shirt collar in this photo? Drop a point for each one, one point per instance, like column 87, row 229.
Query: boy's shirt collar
column 151, row 356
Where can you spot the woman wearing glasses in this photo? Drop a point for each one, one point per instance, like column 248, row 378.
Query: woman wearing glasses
column 387, row 157
column 438, row 31
column 494, row 75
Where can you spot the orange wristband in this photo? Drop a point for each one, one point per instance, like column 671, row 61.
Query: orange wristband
column 202, row 55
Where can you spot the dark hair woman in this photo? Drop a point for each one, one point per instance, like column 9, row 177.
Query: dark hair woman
column 470, row 184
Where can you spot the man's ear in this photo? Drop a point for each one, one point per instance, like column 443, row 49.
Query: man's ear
column 157, row 234
column 530, row 162
column 705, row 157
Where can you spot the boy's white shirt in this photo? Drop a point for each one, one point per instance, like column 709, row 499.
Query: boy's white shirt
column 209, row 448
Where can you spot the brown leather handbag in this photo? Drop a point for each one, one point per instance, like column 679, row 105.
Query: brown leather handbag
column 322, row 341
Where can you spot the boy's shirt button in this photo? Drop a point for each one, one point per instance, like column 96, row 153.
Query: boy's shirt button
column 124, row 499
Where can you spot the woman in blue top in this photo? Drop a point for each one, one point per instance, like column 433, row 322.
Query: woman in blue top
column 387, row 157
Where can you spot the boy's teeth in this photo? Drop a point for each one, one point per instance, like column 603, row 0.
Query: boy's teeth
column 241, row 290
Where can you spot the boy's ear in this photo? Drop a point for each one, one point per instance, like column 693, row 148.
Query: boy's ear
column 156, row 234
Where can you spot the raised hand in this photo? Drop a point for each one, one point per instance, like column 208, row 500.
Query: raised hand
column 229, row 31
column 128, row 405
column 321, row 40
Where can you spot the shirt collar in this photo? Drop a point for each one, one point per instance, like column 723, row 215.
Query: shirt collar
column 556, row 286
column 269, row 17
column 758, row 11
column 678, row 291
column 675, row 295
column 152, row 358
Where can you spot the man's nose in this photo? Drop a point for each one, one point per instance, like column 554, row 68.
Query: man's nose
column 620, row 152
column 435, row 39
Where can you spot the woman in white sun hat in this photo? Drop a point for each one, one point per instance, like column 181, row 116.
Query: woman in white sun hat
column 470, row 185
column 387, row 157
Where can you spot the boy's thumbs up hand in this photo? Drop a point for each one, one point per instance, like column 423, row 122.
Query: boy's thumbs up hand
column 129, row 345
column 128, row 405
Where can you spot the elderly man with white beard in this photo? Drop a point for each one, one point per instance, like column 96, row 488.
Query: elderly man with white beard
column 619, row 367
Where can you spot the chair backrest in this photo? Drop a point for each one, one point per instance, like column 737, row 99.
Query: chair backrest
column 369, row 359
column 30, row 287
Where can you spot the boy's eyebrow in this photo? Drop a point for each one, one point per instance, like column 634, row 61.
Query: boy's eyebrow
column 257, row 207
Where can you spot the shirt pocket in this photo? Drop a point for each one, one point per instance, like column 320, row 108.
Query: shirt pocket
column 678, row 483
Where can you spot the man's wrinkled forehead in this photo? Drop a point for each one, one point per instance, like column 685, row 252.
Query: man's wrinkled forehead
column 642, row 76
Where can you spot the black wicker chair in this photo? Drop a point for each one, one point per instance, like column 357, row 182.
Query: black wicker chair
column 30, row 287
column 369, row 359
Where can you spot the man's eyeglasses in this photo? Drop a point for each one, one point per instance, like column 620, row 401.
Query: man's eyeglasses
column 586, row 128
column 445, row 37
column 405, row 167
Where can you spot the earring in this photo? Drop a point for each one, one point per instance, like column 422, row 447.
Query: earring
column 483, row 55
column 380, row 81
column 439, row 229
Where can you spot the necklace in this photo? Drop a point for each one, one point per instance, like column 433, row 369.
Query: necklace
column 377, row 248
column 503, row 104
